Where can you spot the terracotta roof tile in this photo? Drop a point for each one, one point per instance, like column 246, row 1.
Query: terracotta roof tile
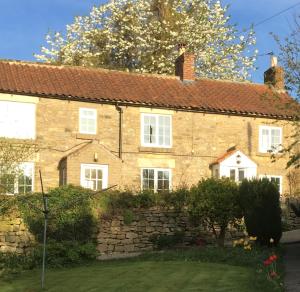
column 224, row 156
column 100, row 85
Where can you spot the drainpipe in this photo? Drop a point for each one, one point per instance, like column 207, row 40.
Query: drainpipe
column 120, row 110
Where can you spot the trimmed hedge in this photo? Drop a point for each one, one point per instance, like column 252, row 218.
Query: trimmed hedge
column 259, row 200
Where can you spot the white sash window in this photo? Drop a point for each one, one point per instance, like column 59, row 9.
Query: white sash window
column 17, row 120
column 156, row 130
column 88, row 121
column 270, row 139
column 94, row 176
column 156, row 179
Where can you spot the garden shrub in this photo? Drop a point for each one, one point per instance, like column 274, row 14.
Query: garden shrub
column 214, row 204
column 66, row 253
column 176, row 199
column 13, row 263
column 71, row 216
column 168, row 241
column 71, row 230
column 259, row 200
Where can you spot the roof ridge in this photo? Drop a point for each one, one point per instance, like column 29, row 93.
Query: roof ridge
column 241, row 82
column 97, row 69
column 144, row 74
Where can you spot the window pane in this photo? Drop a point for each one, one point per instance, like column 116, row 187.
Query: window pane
column 265, row 140
column 25, row 178
column 99, row 174
column 275, row 138
column 232, row 174
column 163, row 180
column 164, row 130
column 93, row 173
column 241, row 174
column 148, row 179
column 166, row 175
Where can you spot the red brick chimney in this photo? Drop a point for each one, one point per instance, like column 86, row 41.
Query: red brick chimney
column 185, row 64
column 274, row 76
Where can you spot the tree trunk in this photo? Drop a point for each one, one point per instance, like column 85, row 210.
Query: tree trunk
column 221, row 237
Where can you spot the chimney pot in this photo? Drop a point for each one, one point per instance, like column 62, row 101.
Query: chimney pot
column 274, row 76
column 274, row 61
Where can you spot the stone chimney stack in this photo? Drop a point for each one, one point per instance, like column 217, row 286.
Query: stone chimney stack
column 274, row 76
column 185, row 64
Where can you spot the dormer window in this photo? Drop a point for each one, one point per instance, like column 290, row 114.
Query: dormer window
column 156, row 130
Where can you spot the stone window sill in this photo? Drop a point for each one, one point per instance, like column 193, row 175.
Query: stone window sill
column 85, row 136
column 268, row 154
column 155, row 150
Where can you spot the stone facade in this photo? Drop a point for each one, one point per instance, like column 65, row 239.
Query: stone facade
column 197, row 140
column 14, row 236
column 292, row 221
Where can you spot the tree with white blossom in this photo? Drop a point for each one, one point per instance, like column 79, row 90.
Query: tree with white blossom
column 142, row 36
column 289, row 55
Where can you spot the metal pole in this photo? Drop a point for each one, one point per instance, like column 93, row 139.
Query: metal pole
column 44, row 241
column 45, row 211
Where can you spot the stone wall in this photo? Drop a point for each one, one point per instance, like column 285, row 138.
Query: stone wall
column 290, row 217
column 116, row 238
column 14, row 236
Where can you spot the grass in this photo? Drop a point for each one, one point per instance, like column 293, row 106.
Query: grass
column 207, row 269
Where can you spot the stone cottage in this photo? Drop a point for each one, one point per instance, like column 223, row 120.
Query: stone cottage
column 97, row 128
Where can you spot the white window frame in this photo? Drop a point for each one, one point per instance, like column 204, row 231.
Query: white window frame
column 102, row 167
column 262, row 149
column 143, row 115
column 81, row 116
column 13, row 133
column 156, row 176
column 16, row 182
column 269, row 176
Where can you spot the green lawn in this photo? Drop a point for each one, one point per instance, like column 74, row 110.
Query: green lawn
column 194, row 269
column 141, row 275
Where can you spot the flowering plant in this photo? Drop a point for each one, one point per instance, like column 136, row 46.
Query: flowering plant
column 246, row 242
column 271, row 266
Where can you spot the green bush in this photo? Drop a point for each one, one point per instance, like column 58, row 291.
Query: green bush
column 176, row 199
column 259, row 200
column 12, row 264
column 71, row 216
column 72, row 225
column 66, row 253
column 167, row 241
column 214, row 204
column 59, row 254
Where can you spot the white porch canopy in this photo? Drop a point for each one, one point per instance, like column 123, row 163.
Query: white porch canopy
column 235, row 165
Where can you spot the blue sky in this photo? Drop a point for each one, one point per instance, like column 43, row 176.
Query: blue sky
column 24, row 23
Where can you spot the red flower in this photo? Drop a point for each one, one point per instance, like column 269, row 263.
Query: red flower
column 267, row 262
column 273, row 258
